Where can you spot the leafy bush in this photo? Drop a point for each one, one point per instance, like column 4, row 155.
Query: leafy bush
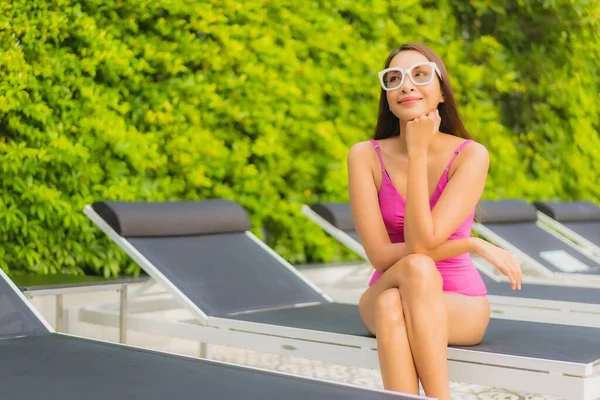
column 256, row 102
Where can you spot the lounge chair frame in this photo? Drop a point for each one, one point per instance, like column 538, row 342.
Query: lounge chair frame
column 565, row 379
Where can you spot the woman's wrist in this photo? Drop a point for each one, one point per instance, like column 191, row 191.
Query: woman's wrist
column 474, row 245
column 417, row 153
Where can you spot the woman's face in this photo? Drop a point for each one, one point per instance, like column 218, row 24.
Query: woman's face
column 409, row 100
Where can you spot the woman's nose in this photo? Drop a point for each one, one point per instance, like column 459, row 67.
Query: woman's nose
column 407, row 85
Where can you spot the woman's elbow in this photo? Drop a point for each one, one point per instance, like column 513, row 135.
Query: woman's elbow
column 379, row 266
column 419, row 249
column 379, row 263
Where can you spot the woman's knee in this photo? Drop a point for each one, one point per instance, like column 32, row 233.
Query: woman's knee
column 384, row 309
column 417, row 271
column 388, row 308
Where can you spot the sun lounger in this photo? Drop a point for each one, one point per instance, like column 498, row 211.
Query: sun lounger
column 37, row 363
column 540, row 300
column 514, row 225
column 579, row 221
column 336, row 219
column 243, row 294
column 60, row 284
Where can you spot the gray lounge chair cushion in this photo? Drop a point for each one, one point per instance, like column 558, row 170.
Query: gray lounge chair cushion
column 515, row 338
column 337, row 214
column 539, row 245
column 328, row 317
column 225, row 273
column 570, row 211
column 69, row 368
column 572, row 294
column 176, row 218
column 501, row 211
column 16, row 319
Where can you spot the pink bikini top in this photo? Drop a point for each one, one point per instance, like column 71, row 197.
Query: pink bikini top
column 393, row 205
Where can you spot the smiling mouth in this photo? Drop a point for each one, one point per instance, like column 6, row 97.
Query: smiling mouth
column 408, row 102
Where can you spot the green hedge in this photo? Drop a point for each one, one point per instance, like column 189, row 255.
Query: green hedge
column 168, row 99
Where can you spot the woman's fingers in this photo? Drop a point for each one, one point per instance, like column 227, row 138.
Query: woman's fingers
column 513, row 280
column 518, row 271
column 513, row 275
column 510, row 267
column 509, row 272
column 513, row 271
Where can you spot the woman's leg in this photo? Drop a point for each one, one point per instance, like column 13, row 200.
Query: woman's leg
column 431, row 319
column 468, row 318
column 420, row 286
column 385, row 319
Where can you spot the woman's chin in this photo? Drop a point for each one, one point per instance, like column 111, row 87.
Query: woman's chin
column 409, row 115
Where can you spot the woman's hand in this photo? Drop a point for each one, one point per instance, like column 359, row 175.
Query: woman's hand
column 502, row 260
column 420, row 131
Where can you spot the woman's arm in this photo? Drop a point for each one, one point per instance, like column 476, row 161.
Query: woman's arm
column 426, row 229
column 452, row 248
column 364, row 203
column 448, row 249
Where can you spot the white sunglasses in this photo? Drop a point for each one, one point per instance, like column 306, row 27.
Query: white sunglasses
column 419, row 74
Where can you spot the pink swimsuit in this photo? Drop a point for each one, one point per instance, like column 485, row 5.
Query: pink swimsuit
column 458, row 273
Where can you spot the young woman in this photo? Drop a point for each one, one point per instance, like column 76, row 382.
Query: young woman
column 413, row 193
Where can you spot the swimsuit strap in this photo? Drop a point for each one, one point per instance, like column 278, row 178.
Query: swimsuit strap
column 456, row 152
column 377, row 150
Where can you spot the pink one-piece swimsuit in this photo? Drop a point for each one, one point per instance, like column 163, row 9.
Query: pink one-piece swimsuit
column 458, row 273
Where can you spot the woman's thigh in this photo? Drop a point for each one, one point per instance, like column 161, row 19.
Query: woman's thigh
column 468, row 318
column 413, row 266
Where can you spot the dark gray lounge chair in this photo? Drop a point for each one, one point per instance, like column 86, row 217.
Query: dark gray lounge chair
column 577, row 220
column 37, row 363
column 539, row 300
column 243, row 294
column 514, row 225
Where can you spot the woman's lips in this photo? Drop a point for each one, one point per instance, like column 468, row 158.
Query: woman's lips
column 409, row 102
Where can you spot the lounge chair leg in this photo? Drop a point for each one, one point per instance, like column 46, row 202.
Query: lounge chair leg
column 204, row 350
column 70, row 319
column 59, row 312
column 123, row 314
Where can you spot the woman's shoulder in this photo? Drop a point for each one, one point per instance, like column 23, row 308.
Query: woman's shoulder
column 368, row 146
column 469, row 154
column 363, row 155
column 472, row 148
column 361, row 149
column 468, row 146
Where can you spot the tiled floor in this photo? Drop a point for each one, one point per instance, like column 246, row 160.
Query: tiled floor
column 347, row 277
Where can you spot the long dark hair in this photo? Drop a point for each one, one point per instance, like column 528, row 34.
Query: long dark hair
column 388, row 124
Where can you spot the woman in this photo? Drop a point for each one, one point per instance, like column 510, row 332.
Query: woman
column 413, row 193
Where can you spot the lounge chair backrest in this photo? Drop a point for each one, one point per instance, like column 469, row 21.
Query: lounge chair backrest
column 337, row 214
column 516, row 223
column 576, row 211
column 204, row 250
column 505, row 211
column 16, row 318
column 177, row 218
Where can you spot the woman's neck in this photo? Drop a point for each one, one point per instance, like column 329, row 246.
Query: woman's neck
column 402, row 147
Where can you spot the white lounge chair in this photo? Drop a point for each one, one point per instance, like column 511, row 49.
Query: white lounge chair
column 579, row 221
column 540, row 300
column 243, row 294
column 38, row 363
column 515, row 225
